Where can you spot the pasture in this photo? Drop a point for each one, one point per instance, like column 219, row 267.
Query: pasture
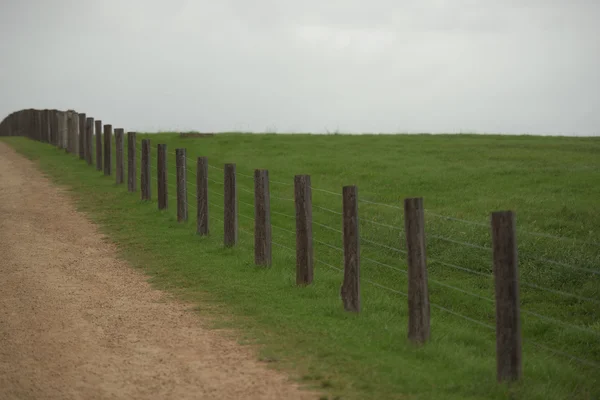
column 551, row 183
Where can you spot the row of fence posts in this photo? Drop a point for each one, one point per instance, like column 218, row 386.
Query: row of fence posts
column 45, row 126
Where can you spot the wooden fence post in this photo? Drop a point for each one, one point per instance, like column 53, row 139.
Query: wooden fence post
column 54, row 128
column 418, row 293
column 131, row 162
column 98, row 145
column 304, row 240
column 62, row 131
column 46, row 125
column 72, row 131
column 230, row 215
column 506, row 276
column 145, row 174
column 181, row 173
column 89, row 140
column 107, row 149
column 162, row 177
column 82, row 136
column 202, row 195
column 262, row 219
column 350, row 290
column 119, row 155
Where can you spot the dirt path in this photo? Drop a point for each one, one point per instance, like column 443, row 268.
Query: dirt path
column 96, row 330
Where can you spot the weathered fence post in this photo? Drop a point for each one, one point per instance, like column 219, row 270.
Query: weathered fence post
column 262, row 219
column 202, row 195
column 230, row 215
column 46, row 126
column 35, row 125
column 62, row 130
column 181, row 172
column 82, row 136
column 145, row 173
column 107, row 149
column 72, row 131
column 418, row 293
column 89, row 140
column 304, row 241
column 120, row 161
column 40, row 118
column 162, row 176
column 506, row 276
column 131, row 162
column 54, row 128
column 350, row 290
column 98, row 145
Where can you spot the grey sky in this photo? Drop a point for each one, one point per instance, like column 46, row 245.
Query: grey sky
column 502, row 66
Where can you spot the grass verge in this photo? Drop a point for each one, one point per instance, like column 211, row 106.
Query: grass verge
column 552, row 184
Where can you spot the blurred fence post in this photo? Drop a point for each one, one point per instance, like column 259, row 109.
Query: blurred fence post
column 350, row 290
column 72, row 131
column 506, row 276
column 98, row 130
column 89, row 140
column 230, row 215
column 107, row 149
column 304, row 241
column 46, row 126
column 202, row 195
column 82, row 138
column 162, row 177
column 119, row 156
column 181, row 173
column 54, row 128
column 131, row 162
column 63, row 136
column 418, row 293
column 145, row 173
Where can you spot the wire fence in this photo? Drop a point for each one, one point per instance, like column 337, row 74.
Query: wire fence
column 393, row 262
column 460, row 289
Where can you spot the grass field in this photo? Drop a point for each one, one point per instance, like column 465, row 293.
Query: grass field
column 553, row 185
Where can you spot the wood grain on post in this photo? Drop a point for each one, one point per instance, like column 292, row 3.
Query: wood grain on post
column 63, row 131
column 46, row 125
column 39, row 125
column 506, row 276
column 27, row 114
column 350, row 290
column 145, row 173
column 98, row 130
column 202, row 196
column 72, row 131
column 162, row 176
column 131, row 162
column 181, row 173
column 35, row 131
column 304, row 240
column 418, row 293
column 262, row 219
column 82, row 136
column 119, row 156
column 89, row 140
column 107, row 149
column 230, row 215
column 54, row 128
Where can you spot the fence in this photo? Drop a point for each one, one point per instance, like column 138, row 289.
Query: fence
column 74, row 133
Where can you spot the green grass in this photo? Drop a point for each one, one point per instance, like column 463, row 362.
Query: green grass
column 553, row 185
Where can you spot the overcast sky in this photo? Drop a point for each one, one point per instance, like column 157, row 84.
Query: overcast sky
column 501, row 66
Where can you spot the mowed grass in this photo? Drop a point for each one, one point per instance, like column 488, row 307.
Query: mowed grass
column 553, row 185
